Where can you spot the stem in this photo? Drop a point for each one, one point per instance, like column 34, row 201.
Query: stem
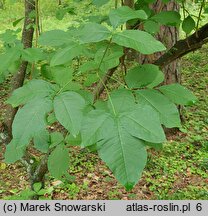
column 100, row 78
column 116, row 4
column 100, row 88
column 184, row 11
column 19, row 77
column 104, row 54
column 62, row 88
column 37, row 33
column 179, row 49
column 111, row 102
column 199, row 16
column 120, row 83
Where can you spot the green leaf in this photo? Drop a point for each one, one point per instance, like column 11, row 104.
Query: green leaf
column 41, row 193
column 55, row 38
column 111, row 61
column 99, row 3
column 170, row 18
column 28, row 123
column 91, row 78
column 93, row 32
column 149, row 1
column 178, row 94
column 158, row 79
column 33, row 55
column 41, row 141
column 101, row 105
column 123, row 14
column 156, row 146
column 168, row 112
column 144, row 75
column 13, row 152
column 68, row 108
column 143, row 6
column 88, row 96
column 9, row 36
column 12, row 69
column 92, row 148
column 89, row 66
column 151, row 27
column 144, row 123
column 206, row 9
column 111, row 58
column 8, row 58
column 30, row 120
column 56, row 139
column 165, row 1
column 26, row 194
column 72, row 86
column 58, row 161
column 188, row 24
column 138, row 40
column 65, row 55
column 60, row 13
column 51, row 119
column 72, row 141
column 37, row 186
column 15, row 23
column 124, row 154
column 119, row 138
column 122, row 100
column 30, row 91
column 97, row 18
column 96, row 119
column 62, row 75
column 46, row 71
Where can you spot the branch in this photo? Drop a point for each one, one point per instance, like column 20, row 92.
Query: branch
column 185, row 46
column 36, row 170
column 40, row 171
column 19, row 77
column 101, row 85
column 181, row 48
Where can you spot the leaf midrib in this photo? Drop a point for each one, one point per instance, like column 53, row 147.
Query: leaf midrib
column 162, row 114
column 122, row 150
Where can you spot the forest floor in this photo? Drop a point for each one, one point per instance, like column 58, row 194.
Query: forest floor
column 178, row 171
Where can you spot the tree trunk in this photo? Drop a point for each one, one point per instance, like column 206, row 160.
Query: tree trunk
column 18, row 79
column 182, row 47
column 168, row 36
column 2, row 4
column 129, row 3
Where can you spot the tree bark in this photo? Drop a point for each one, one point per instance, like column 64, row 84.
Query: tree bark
column 168, row 36
column 185, row 46
column 129, row 3
column 18, row 79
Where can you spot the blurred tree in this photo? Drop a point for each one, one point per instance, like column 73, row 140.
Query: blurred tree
column 19, row 77
column 2, row 4
column 168, row 35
